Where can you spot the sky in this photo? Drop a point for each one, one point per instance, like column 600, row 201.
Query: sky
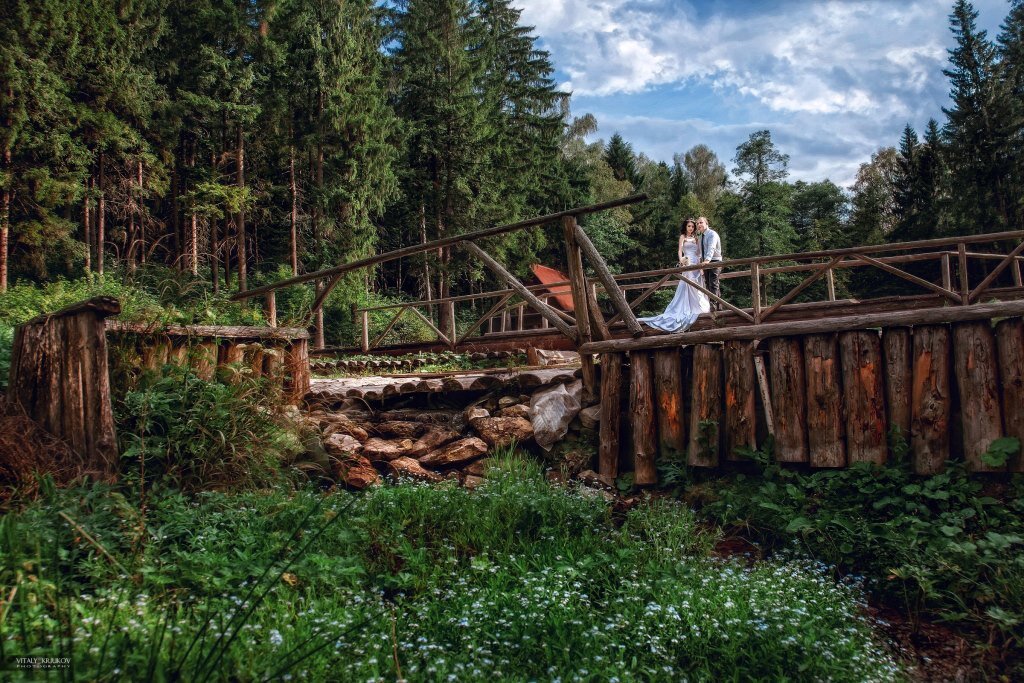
column 832, row 80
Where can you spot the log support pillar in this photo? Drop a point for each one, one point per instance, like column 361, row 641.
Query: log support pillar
column 824, row 401
column 789, row 404
column 930, row 399
column 1010, row 344
column 668, row 394
column 611, row 416
column 863, row 397
column 897, row 347
column 740, row 398
column 977, row 378
column 642, row 416
column 706, row 412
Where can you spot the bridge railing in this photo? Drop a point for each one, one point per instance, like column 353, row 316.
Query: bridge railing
column 948, row 260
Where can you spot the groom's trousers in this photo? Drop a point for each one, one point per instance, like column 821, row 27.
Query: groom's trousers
column 713, row 276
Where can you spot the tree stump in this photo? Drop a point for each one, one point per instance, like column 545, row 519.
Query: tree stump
column 930, row 399
column 789, row 404
column 668, row 394
column 706, row 411
column 611, row 415
column 641, row 412
column 896, row 349
column 740, row 398
column 824, row 401
column 60, row 378
column 977, row 378
column 866, row 433
column 1010, row 344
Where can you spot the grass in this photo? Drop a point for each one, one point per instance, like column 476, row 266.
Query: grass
column 513, row 581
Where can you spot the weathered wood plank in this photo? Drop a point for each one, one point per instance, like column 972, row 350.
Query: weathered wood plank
column 863, row 397
column 789, row 404
column 740, row 398
column 897, row 347
column 977, row 378
column 824, row 401
column 643, row 420
column 611, row 415
column 706, row 411
column 1010, row 344
column 668, row 392
column 930, row 399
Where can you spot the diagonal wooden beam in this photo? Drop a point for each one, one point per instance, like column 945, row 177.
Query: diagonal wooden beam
column 387, row 329
column 611, row 287
column 807, row 282
column 480, row 321
column 952, row 296
column 441, row 336
column 714, row 297
column 983, row 285
column 520, row 289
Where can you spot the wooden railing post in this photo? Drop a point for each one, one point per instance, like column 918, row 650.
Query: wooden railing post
column 947, row 273
column 364, row 331
column 830, row 281
column 581, row 306
column 755, row 291
column 611, row 287
column 452, row 339
column 271, row 309
column 965, row 288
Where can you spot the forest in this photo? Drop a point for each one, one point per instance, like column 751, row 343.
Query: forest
column 238, row 142
column 159, row 157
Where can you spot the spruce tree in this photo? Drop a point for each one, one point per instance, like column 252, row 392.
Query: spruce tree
column 1011, row 54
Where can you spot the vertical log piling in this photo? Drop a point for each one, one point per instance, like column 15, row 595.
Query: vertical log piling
column 824, row 401
column 930, row 399
column 706, row 412
column 789, row 402
column 740, row 398
column 668, row 393
column 641, row 412
column 974, row 359
column 863, row 397
column 1010, row 344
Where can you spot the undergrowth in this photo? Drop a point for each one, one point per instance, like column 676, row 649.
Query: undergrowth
column 513, row 581
column 947, row 546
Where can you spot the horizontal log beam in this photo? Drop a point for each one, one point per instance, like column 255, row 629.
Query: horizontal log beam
column 930, row 316
column 208, row 331
column 437, row 244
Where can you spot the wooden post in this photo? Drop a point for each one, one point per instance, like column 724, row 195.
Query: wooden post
column 544, row 323
column 364, row 331
column 668, row 393
column 830, row 281
column 947, row 273
column 581, row 306
column 930, row 399
column 706, row 410
column 755, row 291
column 1017, row 282
column 824, row 401
column 59, row 376
column 641, row 412
column 519, row 317
column 1010, row 343
column 523, row 292
column 598, row 326
column 863, row 397
column 740, row 393
column 297, row 367
column 977, row 378
column 611, row 416
column 965, row 287
column 611, row 287
column 896, row 349
column 766, row 397
column 789, row 404
column 271, row 309
column 452, row 338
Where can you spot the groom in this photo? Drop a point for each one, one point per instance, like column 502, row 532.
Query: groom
column 711, row 251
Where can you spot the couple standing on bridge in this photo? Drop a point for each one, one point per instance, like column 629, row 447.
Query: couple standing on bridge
column 698, row 243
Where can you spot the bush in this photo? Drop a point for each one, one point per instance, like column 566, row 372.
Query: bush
column 202, row 434
column 6, row 344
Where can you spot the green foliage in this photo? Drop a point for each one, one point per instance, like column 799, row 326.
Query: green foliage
column 6, row 342
column 514, row 581
column 203, row 434
column 941, row 545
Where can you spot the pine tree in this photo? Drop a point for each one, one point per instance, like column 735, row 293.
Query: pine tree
column 975, row 126
column 1011, row 54
column 762, row 170
column 619, row 155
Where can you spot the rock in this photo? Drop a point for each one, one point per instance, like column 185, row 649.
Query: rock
column 506, row 401
column 551, row 411
column 356, row 472
column 594, row 480
column 546, row 357
column 471, row 482
column 515, row 410
column 474, row 413
column 336, row 423
column 437, row 417
column 400, row 430
column 378, row 449
column 409, row 468
column 591, row 417
column 456, row 453
column 499, row 432
column 291, row 412
column 342, row 444
column 478, row 468
column 434, row 437
column 588, row 492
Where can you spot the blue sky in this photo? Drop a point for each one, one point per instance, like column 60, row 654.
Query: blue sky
column 833, row 81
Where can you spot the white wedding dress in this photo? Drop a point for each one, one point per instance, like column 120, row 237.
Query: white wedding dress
column 689, row 302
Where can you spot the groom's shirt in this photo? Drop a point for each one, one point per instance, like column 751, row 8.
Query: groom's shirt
column 711, row 245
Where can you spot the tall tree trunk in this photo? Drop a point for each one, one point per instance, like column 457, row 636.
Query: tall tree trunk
column 316, row 206
column 194, row 246
column 5, row 201
column 214, row 242
column 87, row 226
column 294, row 218
column 240, row 220
column 101, row 217
column 427, row 287
column 177, row 243
column 142, row 224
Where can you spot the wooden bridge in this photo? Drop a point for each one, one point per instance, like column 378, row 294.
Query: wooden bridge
column 829, row 378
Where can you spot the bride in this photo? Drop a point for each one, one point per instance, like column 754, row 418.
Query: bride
column 689, row 302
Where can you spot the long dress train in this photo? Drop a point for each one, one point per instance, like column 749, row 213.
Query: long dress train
column 688, row 302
